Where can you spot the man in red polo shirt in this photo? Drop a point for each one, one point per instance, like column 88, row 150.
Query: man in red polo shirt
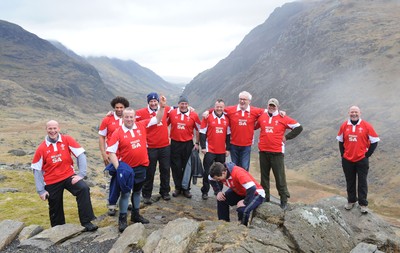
column 215, row 136
column 110, row 123
column 357, row 142
column 106, row 129
column 271, row 147
column 244, row 191
column 242, row 118
column 183, row 124
column 158, row 149
column 130, row 141
column 53, row 169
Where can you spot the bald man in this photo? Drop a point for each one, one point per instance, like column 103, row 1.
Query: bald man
column 53, row 169
column 357, row 141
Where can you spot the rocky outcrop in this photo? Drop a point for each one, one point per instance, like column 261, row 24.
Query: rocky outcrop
column 324, row 226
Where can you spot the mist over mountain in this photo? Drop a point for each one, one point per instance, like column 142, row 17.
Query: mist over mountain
column 34, row 73
column 318, row 58
column 128, row 78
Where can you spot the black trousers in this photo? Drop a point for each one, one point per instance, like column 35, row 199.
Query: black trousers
column 208, row 160
column 162, row 156
column 356, row 173
column 180, row 154
column 56, row 204
column 274, row 161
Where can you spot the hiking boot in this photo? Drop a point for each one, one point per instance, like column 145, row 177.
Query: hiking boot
column 176, row 193
column 166, row 197
column 364, row 209
column 122, row 222
column 204, row 196
column 187, row 194
column 349, row 205
column 284, row 205
column 90, row 227
column 136, row 217
column 147, row 201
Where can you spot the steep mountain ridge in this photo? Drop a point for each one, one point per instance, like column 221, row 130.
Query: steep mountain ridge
column 327, row 56
column 46, row 73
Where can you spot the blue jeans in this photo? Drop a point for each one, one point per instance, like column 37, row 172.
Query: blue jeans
column 240, row 156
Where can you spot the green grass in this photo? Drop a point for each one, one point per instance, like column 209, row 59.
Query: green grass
column 26, row 206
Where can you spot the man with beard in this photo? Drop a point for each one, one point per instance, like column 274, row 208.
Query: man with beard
column 106, row 129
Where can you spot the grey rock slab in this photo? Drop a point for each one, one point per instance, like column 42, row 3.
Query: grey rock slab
column 177, row 235
column 51, row 236
column 9, row 231
column 29, row 231
column 152, row 241
column 314, row 229
column 131, row 236
column 364, row 248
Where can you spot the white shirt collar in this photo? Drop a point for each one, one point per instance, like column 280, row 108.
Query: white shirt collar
column 247, row 109
column 186, row 113
column 48, row 143
column 116, row 117
column 127, row 129
column 215, row 115
column 349, row 122
column 151, row 111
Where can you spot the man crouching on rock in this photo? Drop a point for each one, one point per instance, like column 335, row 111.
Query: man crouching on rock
column 53, row 169
column 244, row 191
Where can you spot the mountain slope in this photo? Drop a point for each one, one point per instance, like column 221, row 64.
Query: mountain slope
column 51, row 79
column 130, row 79
column 323, row 57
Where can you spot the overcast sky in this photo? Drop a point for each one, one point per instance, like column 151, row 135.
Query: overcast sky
column 177, row 39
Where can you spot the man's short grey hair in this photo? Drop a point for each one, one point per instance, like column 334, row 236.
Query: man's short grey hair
column 245, row 93
column 129, row 109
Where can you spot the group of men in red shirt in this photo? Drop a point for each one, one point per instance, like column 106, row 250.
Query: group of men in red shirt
column 140, row 139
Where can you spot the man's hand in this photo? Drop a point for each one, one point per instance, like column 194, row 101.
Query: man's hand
column 284, row 139
column 282, row 113
column 163, row 101
column 205, row 114
column 240, row 203
column 75, row 179
column 204, row 151
column 106, row 160
column 110, row 113
column 227, row 153
column 44, row 196
column 221, row 196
